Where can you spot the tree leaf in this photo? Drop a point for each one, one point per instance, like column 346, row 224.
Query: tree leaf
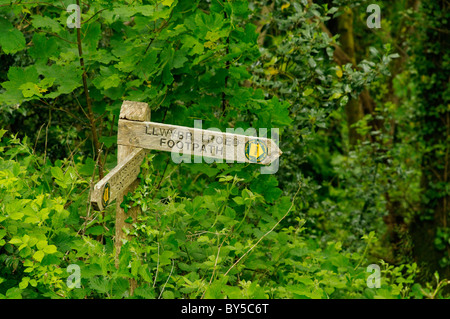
column 308, row 92
column 38, row 255
column 45, row 22
column 11, row 39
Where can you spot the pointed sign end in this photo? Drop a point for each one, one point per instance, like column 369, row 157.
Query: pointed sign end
column 276, row 150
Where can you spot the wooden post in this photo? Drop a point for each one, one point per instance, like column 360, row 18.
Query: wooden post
column 117, row 180
column 139, row 112
column 136, row 135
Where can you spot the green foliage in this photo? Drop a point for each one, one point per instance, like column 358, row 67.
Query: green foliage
column 206, row 230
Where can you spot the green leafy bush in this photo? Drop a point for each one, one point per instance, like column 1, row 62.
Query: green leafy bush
column 209, row 230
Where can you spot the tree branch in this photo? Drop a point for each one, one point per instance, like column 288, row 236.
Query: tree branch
column 91, row 117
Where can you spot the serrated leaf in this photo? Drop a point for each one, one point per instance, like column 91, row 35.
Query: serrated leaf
column 99, row 284
column 108, row 141
column 41, row 244
column 50, row 249
column 110, row 81
column 15, row 241
column 57, row 173
column 179, row 59
column 38, row 255
column 24, row 283
column 16, row 215
column 95, row 230
column 238, row 200
column 45, row 22
column 167, row 3
column 67, row 83
column 11, row 39
column 29, row 89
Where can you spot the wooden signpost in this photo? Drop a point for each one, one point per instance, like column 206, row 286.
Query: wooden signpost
column 193, row 141
column 137, row 135
column 117, row 180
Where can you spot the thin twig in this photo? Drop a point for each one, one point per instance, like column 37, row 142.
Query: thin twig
column 170, row 275
column 25, row 3
column 37, row 139
column 91, row 117
column 55, row 35
column 46, row 134
column 215, row 263
column 162, row 177
column 93, row 16
column 157, row 268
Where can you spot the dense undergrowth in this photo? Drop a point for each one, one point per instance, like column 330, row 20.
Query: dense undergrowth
column 332, row 222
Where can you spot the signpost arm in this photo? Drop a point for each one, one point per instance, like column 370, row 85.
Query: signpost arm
column 139, row 112
column 136, row 134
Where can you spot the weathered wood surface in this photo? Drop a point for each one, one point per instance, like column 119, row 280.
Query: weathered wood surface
column 194, row 141
column 135, row 111
column 117, row 180
column 132, row 111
